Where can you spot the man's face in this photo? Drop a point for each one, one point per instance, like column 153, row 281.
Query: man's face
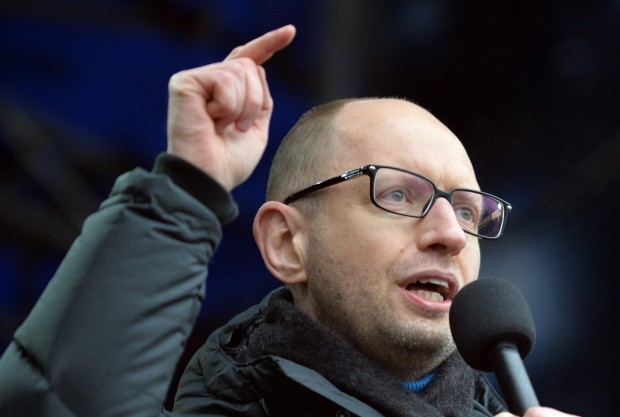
column 383, row 281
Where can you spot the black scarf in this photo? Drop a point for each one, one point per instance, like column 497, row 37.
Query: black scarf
column 289, row 333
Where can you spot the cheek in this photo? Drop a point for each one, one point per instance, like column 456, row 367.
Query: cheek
column 470, row 261
column 359, row 247
column 362, row 239
column 357, row 251
column 366, row 239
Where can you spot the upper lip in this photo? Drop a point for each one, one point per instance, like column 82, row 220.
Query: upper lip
column 445, row 282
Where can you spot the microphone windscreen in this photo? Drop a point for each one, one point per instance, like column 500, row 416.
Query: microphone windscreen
column 487, row 313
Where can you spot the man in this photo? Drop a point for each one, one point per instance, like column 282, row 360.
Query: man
column 371, row 259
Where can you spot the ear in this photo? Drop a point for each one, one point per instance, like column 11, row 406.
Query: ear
column 280, row 232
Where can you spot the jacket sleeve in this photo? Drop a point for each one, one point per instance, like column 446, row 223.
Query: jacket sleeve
column 106, row 335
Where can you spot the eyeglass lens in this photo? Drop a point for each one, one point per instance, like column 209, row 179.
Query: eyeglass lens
column 410, row 195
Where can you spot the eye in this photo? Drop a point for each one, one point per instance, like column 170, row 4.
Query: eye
column 465, row 214
column 394, row 196
column 397, row 200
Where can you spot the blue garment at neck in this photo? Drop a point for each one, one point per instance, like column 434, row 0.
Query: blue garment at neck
column 419, row 385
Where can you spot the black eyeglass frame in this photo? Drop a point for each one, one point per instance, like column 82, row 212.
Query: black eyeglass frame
column 371, row 171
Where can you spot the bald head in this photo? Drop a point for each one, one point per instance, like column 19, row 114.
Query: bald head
column 345, row 134
column 298, row 159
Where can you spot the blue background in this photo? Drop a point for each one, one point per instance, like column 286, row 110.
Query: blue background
column 531, row 88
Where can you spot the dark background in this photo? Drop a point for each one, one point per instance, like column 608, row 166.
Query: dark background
column 531, row 88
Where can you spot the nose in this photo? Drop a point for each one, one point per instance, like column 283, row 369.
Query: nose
column 440, row 231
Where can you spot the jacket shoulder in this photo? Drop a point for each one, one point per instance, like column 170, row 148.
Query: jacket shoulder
column 211, row 383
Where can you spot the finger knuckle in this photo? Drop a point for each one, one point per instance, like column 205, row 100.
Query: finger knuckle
column 269, row 102
column 254, row 101
column 178, row 82
column 226, row 106
column 246, row 62
column 245, row 65
column 227, row 78
column 235, row 51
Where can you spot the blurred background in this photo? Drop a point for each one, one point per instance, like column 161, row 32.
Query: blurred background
column 531, row 88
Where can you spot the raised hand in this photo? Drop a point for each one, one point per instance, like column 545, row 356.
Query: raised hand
column 218, row 114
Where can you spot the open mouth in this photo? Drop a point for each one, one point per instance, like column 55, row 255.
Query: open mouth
column 430, row 289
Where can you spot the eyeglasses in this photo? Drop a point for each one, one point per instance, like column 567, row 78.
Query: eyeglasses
column 408, row 194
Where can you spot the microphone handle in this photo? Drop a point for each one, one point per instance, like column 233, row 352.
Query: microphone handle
column 513, row 379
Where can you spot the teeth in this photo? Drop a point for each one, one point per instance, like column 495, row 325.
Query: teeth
column 429, row 295
column 434, row 281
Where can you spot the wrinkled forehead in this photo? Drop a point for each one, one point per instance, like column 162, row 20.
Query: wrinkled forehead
column 402, row 134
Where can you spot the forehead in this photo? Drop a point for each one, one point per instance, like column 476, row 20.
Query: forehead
column 399, row 133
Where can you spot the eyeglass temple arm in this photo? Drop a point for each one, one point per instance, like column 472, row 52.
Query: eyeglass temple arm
column 323, row 184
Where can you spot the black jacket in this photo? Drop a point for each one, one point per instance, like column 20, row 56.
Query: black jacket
column 273, row 360
column 106, row 335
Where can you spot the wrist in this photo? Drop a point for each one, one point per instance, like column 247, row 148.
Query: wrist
column 199, row 184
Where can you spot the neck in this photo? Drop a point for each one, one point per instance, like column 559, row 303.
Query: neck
column 409, row 364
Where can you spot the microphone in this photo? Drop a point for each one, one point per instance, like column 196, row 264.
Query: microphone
column 493, row 329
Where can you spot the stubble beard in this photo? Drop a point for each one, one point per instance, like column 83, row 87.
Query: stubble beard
column 406, row 349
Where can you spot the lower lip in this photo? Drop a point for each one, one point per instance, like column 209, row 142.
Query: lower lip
column 434, row 306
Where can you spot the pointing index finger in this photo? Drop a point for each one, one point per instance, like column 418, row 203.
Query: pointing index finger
column 263, row 47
